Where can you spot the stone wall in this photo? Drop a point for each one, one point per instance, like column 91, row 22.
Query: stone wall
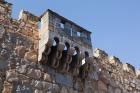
column 31, row 62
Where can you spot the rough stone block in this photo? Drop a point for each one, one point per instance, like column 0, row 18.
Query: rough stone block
column 34, row 73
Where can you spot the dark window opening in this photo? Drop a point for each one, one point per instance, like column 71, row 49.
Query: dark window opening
column 86, row 54
column 77, row 51
column 78, row 34
column 62, row 24
column 66, row 46
column 56, row 41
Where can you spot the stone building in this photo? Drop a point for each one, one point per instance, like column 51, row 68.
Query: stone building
column 51, row 54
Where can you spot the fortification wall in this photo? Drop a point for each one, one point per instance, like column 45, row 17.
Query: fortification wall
column 30, row 61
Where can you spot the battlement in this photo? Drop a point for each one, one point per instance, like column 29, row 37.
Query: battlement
column 100, row 53
column 28, row 17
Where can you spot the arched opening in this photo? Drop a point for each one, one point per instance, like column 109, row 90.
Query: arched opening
column 65, row 51
column 86, row 54
column 64, row 55
column 83, row 71
column 77, row 51
column 67, row 46
column 53, row 50
column 75, row 58
column 55, row 41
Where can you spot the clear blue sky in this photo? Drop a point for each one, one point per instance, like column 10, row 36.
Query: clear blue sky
column 115, row 24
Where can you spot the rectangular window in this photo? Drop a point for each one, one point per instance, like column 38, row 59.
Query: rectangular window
column 78, row 34
column 74, row 32
column 62, row 26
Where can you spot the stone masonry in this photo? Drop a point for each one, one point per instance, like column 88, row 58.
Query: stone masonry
column 51, row 54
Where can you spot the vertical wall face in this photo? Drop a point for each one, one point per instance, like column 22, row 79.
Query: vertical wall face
column 18, row 43
column 55, row 26
column 43, row 35
column 29, row 26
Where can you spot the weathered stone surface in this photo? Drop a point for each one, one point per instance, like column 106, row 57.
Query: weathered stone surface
column 117, row 90
column 22, row 69
column 63, row 79
column 7, row 87
column 38, row 91
column 64, row 90
column 31, row 56
column 110, row 89
column 56, row 88
column 47, row 77
column 102, row 86
column 22, row 88
column 20, row 50
column 34, row 73
column 11, row 76
column 57, row 59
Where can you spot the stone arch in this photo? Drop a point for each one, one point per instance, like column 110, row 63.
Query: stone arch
column 86, row 54
column 65, row 59
column 77, row 50
column 74, row 66
column 55, row 41
column 102, row 87
column 53, row 48
column 56, row 53
column 67, row 45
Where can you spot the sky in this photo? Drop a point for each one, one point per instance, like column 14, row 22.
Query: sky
column 115, row 24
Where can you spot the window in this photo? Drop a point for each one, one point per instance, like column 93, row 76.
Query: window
column 62, row 26
column 86, row 54
column 88, row 37
column 74, row 33
column 78, row 34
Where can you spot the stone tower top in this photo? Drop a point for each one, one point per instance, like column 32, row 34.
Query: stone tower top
column 57, row 28
column 67, row 28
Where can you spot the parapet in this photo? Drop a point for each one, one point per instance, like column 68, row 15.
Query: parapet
column 28, row 17
column 129, row 68
column 100, row 53
column 115, row 60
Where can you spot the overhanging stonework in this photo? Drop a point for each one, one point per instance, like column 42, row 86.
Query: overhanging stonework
column 51, row 54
